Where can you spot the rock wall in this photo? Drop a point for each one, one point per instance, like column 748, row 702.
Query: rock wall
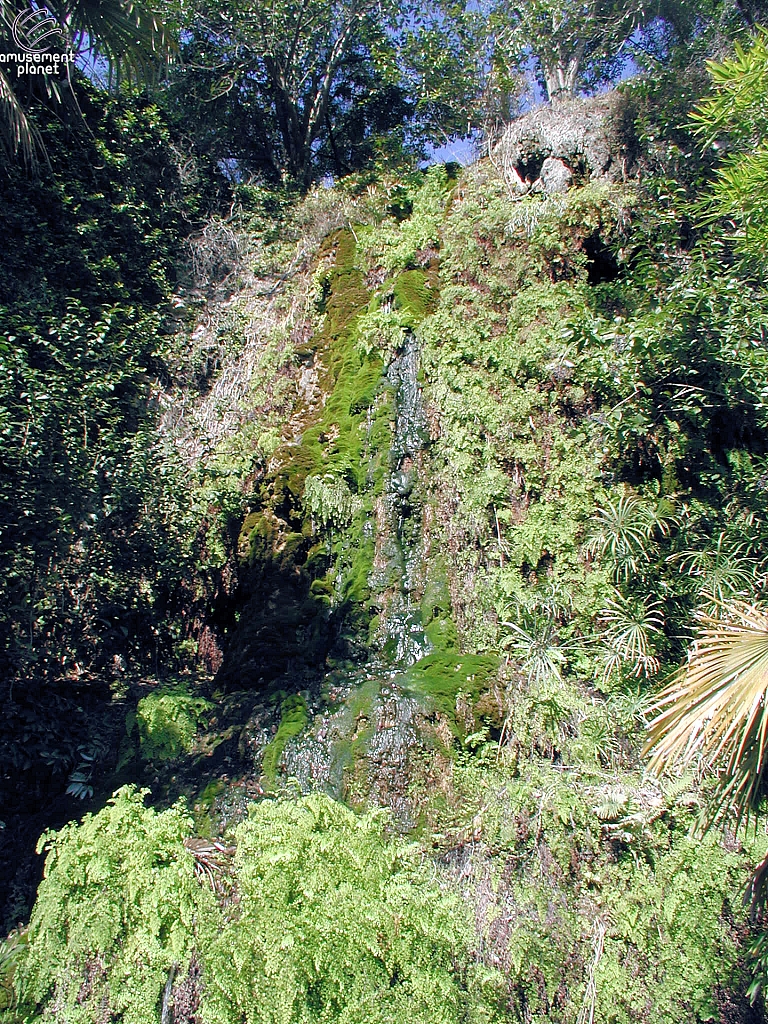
column 556, row 145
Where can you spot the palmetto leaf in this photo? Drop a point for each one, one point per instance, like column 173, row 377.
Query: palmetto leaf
column 125, row 32
column 624, row 532
column 128, row 34
column 715, row 708
column 538, row 650
column 721, row 573
column 630, row 624
column 17, row 132
column 619, row 533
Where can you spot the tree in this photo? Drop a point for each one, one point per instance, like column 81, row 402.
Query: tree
column 291, row 89
column 573, row 45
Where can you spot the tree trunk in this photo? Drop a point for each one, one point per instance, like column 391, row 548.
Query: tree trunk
column 561, row 80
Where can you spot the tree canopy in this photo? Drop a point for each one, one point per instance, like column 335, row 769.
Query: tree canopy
column 295, row 88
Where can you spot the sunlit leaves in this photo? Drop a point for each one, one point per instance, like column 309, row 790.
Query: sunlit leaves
column 715, row 709
column 573, row 44
column 720, row 573
column 541, row 656
column 624, row 532
column 629, row 628
column 735, row 118
column 120, row 894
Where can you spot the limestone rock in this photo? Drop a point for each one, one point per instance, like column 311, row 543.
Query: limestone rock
column 580, row 137
column 556, row 176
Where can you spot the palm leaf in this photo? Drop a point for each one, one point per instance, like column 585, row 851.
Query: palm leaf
column 114, row 25
column 130, row 35
column 715, row 709
column 17, row 132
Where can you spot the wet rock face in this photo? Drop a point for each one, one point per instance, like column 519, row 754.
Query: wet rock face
column 552, row 145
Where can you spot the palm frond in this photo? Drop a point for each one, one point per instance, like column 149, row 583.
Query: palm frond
column 116, row 28
column 625, row 532
column 538, row 650
column 721, row 573
column 628, row 638
column 17, row 132
column 715, row 709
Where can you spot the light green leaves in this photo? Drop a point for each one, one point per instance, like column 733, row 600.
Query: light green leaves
column 735, row 119
column 336, row 921
column 116, row 909
column 167, row 722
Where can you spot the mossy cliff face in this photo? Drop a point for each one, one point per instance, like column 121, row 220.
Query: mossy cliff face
column 332, row 552
column 421, row 613
column 296, row 609
column 442, row 492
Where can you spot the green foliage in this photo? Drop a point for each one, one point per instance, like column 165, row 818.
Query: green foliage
column 623, row 533
column 650, row 932
column 514, row 446
column 96, row 529
column 167, row 721
column 118, row 907
column 400, row 246
column 129, row 38
column 330, row 500
column 12, row 953
column 338, row 921
column 574, row 45
column 670, row 941
column 738, row 111
column 339, row 85
column 593, row 468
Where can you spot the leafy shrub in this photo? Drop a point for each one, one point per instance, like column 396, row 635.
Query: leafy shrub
column 399, row 246
column 167, row 722
column 338, row 922
column 119, row 906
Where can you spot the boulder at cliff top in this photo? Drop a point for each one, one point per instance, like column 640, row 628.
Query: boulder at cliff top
column 552, row 145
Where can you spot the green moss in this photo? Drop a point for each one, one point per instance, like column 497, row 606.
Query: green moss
column 203, row 807
column 415, row 294
column 257, row 537
column 436, row 601
column 443, row 634
column 351, row 748
column 442, row 676
column 356, row 587
column 291, row 546
column 322, row 588
column 295, row 716
column 351, row 381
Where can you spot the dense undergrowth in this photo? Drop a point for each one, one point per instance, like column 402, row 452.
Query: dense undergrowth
column 445, row 586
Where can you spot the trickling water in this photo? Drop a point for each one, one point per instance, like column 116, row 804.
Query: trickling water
column 411, row 434
column 405, row 641
column 363, row 741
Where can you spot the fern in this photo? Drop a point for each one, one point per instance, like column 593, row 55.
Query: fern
column 119, row 906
